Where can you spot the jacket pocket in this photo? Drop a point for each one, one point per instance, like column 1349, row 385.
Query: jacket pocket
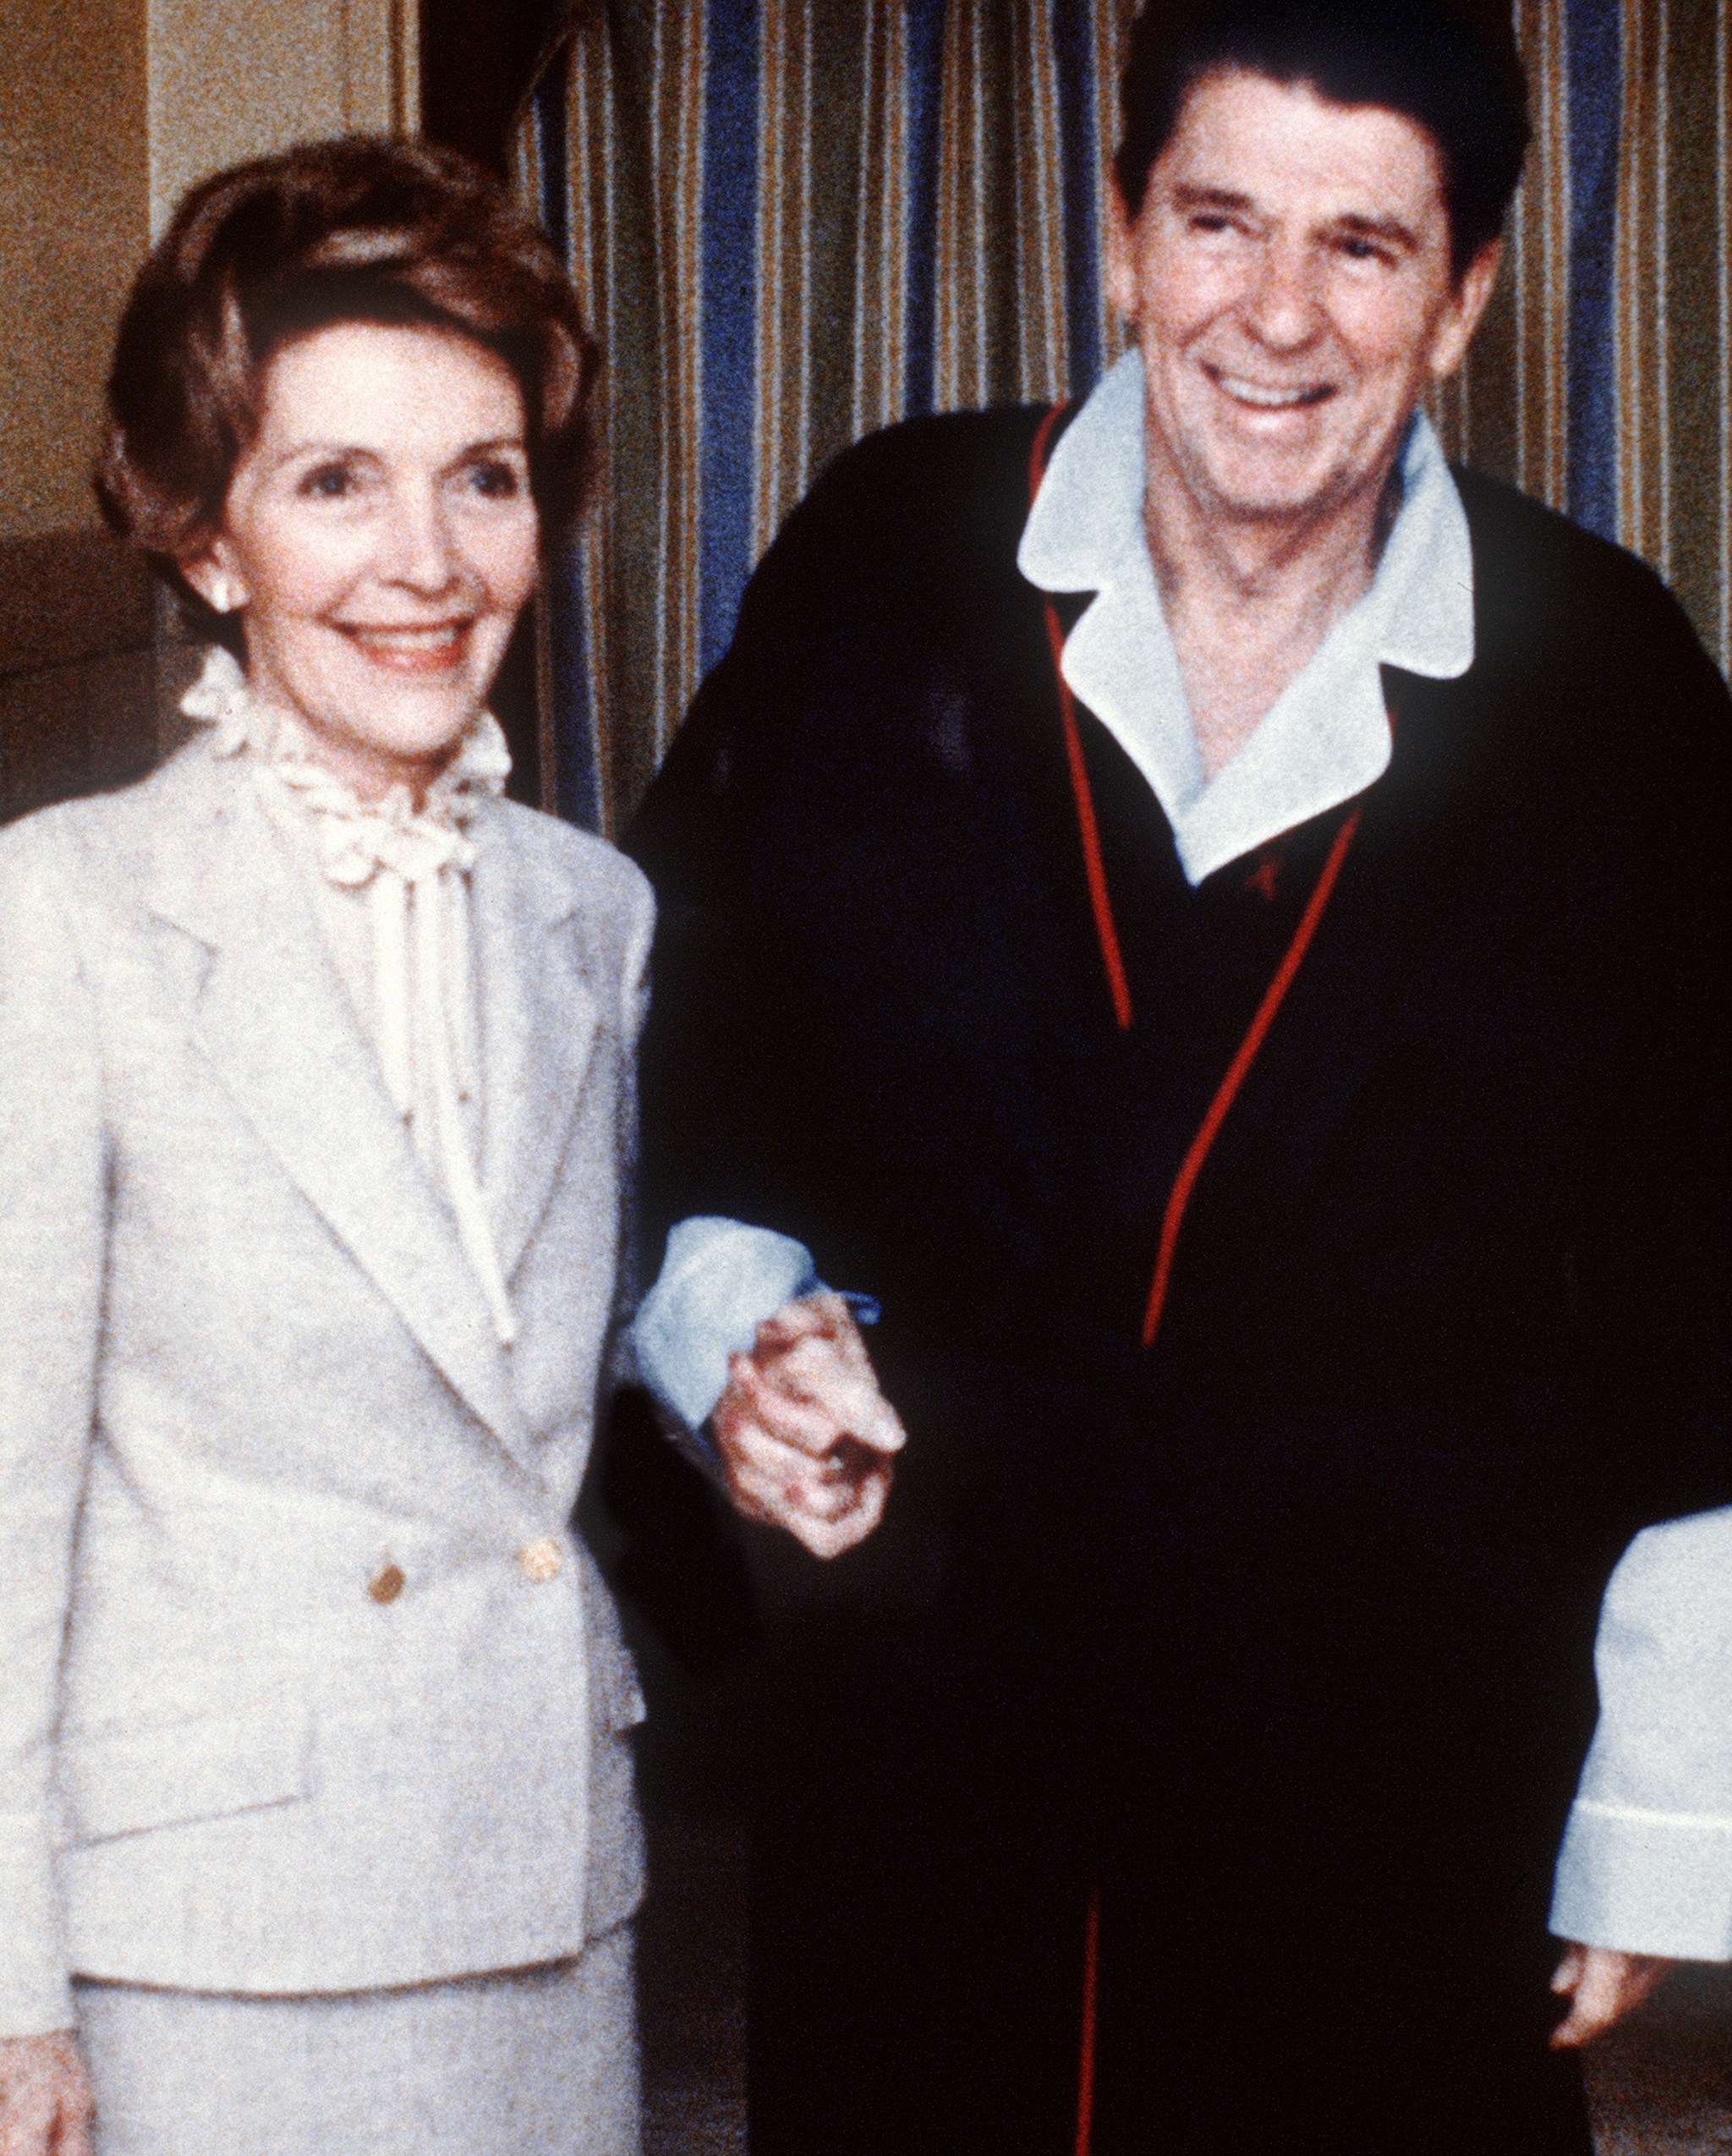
column 621, row 1695
column 129, row 1780
column 615, row 1698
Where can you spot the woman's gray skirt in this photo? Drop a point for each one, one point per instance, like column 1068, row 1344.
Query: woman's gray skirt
column 530, row 2062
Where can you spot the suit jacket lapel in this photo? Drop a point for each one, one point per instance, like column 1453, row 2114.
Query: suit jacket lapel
column 272, row 1018
column 538, row 1025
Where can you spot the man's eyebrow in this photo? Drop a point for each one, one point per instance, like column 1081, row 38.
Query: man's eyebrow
column 1390, row 229
column 1187, row 195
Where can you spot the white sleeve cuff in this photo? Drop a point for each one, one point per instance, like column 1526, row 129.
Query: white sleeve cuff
column 1645, row 1882
column 1647, row 1861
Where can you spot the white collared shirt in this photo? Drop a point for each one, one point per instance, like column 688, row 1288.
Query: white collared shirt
column 1326, row 737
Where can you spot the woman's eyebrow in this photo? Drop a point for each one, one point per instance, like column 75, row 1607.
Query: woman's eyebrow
column 316, row 447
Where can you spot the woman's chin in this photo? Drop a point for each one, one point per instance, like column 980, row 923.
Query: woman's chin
column 375, row 758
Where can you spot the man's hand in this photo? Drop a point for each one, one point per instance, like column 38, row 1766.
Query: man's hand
column 806, row 1437
column 1601, row 1985
column 46, row 2107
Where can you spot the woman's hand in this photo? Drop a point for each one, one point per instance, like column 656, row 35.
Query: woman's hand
column 806, row 1437
column 1602, row 1985
column 46, row 2106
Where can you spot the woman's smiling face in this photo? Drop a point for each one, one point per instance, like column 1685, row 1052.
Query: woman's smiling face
column 379, row 542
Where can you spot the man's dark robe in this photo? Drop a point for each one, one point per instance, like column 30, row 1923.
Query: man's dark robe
column 1273, row 1637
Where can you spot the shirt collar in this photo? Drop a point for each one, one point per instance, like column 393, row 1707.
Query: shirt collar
column 1326, row 737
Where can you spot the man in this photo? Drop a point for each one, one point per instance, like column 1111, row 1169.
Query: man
column 1265, row 1064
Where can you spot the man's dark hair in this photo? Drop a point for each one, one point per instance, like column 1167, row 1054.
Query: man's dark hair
column 1449, row 65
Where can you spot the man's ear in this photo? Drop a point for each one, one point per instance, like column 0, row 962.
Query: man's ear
column 211, row 575
column 1120, row 250
column 1467, row 303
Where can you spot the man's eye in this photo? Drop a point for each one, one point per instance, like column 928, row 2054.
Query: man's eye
column 1357, row 248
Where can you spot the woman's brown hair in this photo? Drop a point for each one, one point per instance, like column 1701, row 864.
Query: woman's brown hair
column 360, row 229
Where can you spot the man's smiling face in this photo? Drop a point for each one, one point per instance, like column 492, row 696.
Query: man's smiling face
column 1289, row 280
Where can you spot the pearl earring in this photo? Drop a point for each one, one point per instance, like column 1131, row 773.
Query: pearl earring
column 223, row 595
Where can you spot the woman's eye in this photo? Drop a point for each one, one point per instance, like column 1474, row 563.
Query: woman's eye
column 327, row 483
column 494, row 480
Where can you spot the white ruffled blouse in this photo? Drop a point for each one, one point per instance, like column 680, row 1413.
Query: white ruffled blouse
column 392, row 886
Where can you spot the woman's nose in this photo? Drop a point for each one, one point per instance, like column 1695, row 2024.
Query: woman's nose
column 420, row 549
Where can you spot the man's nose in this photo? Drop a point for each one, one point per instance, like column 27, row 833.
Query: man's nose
column 420, row 549
column 1281, row 307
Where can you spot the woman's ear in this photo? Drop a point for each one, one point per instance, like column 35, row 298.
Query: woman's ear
column 214, row 581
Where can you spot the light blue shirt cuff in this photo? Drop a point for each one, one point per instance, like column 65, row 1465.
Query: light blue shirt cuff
column 719, row 1281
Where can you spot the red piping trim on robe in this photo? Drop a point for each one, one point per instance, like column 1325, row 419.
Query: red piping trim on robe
column 1190, row 1168
column 1272, row 997
column 1098, row 897
column 1085, row 2068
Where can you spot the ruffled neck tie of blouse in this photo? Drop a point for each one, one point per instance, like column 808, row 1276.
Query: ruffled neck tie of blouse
column 413, row 866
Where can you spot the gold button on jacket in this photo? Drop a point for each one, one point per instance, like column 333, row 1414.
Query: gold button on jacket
column 540, row 1559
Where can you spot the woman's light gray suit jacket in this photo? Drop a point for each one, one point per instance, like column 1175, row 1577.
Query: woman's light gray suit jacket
column 244, row 1369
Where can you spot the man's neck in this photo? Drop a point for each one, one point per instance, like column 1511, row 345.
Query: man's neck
column 1249, row 601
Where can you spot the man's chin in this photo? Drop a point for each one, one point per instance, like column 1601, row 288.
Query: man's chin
column 1263, row 491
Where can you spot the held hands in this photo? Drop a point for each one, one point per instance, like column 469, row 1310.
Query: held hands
column 45, row 2099
column 1602, row 1985
column 808, row 1441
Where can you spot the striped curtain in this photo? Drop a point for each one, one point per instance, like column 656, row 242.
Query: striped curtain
column 793, row 221
column 1602, row 379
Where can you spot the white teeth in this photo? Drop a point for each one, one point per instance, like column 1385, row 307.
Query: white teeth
column 1268, row 400
column 432, row 638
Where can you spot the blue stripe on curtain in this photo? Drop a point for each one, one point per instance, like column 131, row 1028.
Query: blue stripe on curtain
column 1080, row 156
column 729, row 317
column 1592, row 33
column 576, row 776
column 925, row 63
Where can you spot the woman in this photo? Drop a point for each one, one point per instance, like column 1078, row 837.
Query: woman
column 316, row 1822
